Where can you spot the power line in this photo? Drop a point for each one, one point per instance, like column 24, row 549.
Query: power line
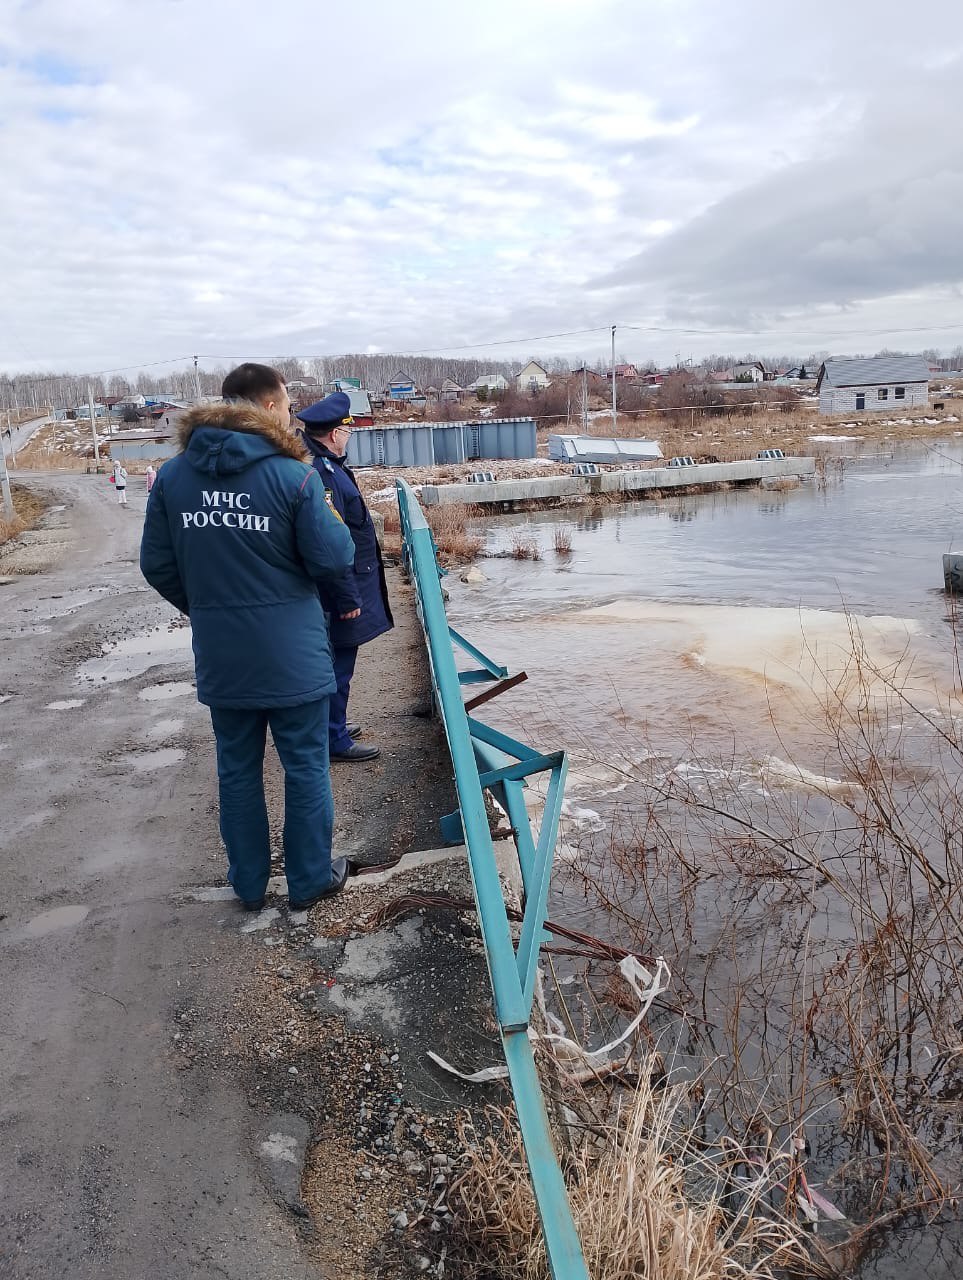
column 790, row 333
column 785, row 335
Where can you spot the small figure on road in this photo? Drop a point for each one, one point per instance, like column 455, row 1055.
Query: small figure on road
column 119, row 476
column 150, row 475
column 357, row 605
column 239, row 536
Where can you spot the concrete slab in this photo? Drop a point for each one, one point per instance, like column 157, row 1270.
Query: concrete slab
column 282, row 1147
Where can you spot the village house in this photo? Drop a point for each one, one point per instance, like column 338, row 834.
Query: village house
column 451, row 391
column 878, row 383
column 754, row 372
column 626, row 371
column 592, row 377
column 533, row 377
column 402, row 387
column 489, row 382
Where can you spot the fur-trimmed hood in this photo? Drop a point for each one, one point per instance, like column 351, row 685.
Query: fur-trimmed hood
column 245, row 418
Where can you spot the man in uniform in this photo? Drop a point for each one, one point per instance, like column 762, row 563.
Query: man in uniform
column 239, row 536
column 357, row 604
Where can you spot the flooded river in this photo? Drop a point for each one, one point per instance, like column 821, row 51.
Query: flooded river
column 733, row 675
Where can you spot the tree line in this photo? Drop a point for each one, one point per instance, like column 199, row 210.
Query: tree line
column 38, row 390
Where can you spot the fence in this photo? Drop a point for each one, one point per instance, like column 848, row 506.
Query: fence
column 485, row 758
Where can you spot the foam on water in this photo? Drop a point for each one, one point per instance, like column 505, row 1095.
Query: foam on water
column 774, row 771
column 809, row 651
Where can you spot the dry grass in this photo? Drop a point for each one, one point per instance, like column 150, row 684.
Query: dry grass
column 647, row 1197
column 562, row 540
column 28, row 508
column 525, row 545
column 68, row 446
column 741, row 434
column 449, row 528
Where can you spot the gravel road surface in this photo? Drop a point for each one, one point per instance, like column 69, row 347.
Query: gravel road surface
column 119, row 1157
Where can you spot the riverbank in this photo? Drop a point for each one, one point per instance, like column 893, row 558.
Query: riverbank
column 760, row 695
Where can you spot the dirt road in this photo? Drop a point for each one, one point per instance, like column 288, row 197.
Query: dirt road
column 119, row 1158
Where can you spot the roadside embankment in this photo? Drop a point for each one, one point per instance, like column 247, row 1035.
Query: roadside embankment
column 28, row 507
column 335, row 1010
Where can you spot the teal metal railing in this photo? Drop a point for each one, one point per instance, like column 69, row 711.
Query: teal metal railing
column 486, row 759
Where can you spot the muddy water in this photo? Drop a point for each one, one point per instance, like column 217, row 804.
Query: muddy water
column 123, row 659
column 692, row 643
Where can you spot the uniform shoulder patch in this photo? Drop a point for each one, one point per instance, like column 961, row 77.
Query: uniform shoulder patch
column 330, row 501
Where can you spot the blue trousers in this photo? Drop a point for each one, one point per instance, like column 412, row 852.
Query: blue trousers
column 338, row 736
column 301, row 737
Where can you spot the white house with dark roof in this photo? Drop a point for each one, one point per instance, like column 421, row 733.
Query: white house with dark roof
column 877, row 384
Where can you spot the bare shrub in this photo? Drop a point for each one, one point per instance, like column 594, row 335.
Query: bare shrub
column 525, row 546
column 562, row 540
column 784, row 484
column 819, row 924
column 449, row 528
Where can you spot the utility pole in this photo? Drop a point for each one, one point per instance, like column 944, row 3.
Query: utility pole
column 5, row 483
column 197, row 382
column 614, row 413
column 584, row 399
column 93, row 423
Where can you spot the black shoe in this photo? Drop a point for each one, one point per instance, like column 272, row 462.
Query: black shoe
column 357, row 752
column 340, row 870
column 256, row 904
column 353, row 730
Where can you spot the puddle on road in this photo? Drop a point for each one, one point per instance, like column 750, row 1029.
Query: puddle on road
column 66, row 704
column 124, row 659
column 11, row 831
column 164, row 729
column 51, row 921
column 59, row 604
column 147, row 761
column 5, row 697
column 158, row 692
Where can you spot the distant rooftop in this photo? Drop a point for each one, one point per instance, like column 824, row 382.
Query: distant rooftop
column 874, row 370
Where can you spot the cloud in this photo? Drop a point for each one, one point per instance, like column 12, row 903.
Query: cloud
column 200, row 178
column 872, row 219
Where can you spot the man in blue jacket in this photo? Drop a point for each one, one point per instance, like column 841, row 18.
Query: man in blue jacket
column 239, row 536
column 357, row 605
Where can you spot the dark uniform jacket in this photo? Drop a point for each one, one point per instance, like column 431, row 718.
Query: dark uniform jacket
column 239, row 535
column 364, row 587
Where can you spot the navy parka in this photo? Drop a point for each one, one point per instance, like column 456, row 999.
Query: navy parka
column 239, row 536
column 364, row 586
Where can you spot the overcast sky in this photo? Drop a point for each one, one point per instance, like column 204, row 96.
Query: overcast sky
column 240, row 179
